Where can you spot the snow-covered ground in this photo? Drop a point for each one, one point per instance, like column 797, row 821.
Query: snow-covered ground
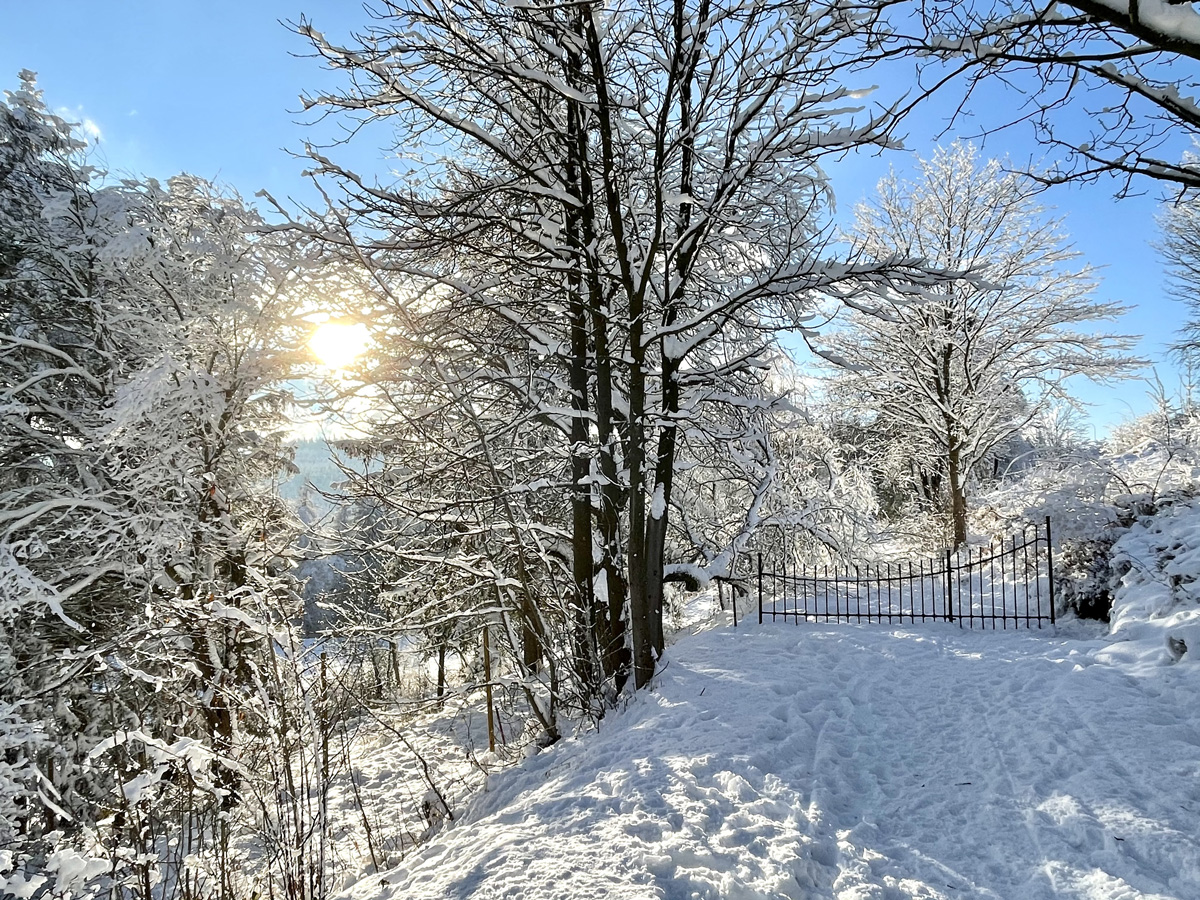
column 853, row 762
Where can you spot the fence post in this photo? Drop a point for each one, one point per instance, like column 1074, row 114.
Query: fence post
column 1050, row 567
column 949, row 591
column 760, row 596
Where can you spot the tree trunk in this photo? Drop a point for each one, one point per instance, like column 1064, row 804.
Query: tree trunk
column 633, row 284
column 582, row 564
column 639, row 584
column 531, row 638
column 656, row 524
column 684, row 61
column 955, row 476
column 441, row 673
column 958, row 494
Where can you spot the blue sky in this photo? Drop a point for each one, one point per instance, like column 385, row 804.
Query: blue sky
column 212, row 88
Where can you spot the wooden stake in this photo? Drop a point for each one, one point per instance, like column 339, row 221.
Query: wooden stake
column 487, row 666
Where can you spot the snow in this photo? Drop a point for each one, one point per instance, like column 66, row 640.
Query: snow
column 852, row 762
column 658, row 503
column 1156, row 608
column 23, row 888
column 390, row 788
column 1173, row 21
column 72, row 870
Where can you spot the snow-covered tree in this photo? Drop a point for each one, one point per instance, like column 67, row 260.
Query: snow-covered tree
column 60, row 553
column 194, row 442
column 145, row 334
column 610, row 211
column 1180, row 246
column 952, row 377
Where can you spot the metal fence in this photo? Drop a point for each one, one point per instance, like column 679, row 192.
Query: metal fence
column 1006, row 584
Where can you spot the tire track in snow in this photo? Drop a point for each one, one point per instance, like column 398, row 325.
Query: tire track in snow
column 850, row 784
column 1055, row 778
column 882, row 855
column 999, row 745
column 1012, row 790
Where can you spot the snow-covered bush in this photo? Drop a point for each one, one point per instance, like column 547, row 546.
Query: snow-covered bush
column 1157, row 592
column 826, row 502
column 18, row 738
column 1095, row 495
column 1083, row 577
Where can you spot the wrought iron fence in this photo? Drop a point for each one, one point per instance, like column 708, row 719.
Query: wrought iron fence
column 1009, row 584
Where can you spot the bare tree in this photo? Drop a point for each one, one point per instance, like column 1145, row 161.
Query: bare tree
column 954, row 376
column 1109, row 84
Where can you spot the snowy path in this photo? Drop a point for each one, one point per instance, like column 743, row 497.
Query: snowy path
column 853, row 762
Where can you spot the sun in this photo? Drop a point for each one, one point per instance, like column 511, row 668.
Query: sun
column 338, row 344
